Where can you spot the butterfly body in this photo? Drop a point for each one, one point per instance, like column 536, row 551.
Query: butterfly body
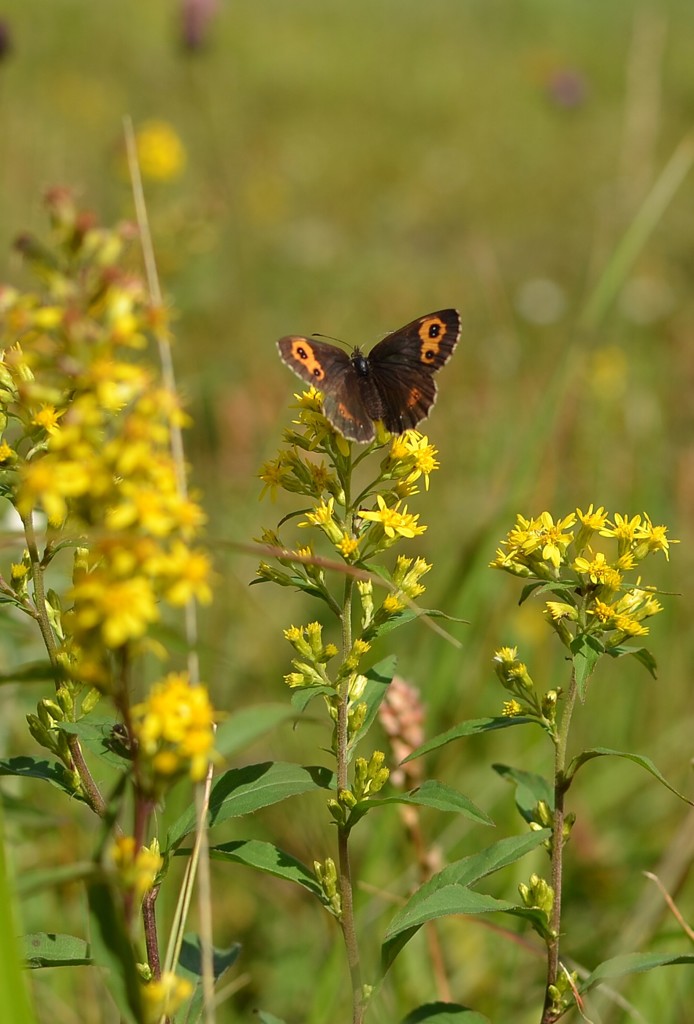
column 393, row 384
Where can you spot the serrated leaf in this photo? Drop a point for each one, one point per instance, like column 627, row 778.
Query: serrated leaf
column 632, row 963
column 49, row 949
column 378, row 679
column 247, row 725
column 444, row 1013
column 643, row 762
column 33, row 768
column 530, row 789
column 111, row 948
column 586, row 651
column 271, row 859
column 430, row 794
column 473, row 727
column 641, row 654
column 459, row 876
column 244, row 790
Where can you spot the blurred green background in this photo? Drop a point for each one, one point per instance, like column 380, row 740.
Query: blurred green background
column 349, row 167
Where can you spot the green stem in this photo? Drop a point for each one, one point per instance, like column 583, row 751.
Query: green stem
column 40, row 593
column 342, row 754
column 89, row 787
column 560, row 787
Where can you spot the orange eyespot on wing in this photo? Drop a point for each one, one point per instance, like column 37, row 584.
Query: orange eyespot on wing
column 432, row 332
column 302, row 354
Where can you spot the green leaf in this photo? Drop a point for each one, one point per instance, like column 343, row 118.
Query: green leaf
column 32, row 672
column 423, row 905
column 430, row 794
column 112, row 949
column 444, row 1013
column 190, row 967
column 269, row 1018
column 643, row 762
column 641, row 654
column 96, row 732
column 47, row 949
column 302, row 697
column 34, row 881
column 586, row 651
column 451, row 899
column 527, row 591
column 190, row 958
column 473, row 727
column 247, row 725
column 632, row 963
column 378, row 679
column 33, row 768
column 530, row 789
column 402, row 618
column 269, row 858
column 244, row 790
column 565, row 591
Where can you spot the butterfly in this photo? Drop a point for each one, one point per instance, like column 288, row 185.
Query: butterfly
column 394, row 383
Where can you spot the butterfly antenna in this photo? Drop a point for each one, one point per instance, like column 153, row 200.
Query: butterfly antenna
column 329, row 337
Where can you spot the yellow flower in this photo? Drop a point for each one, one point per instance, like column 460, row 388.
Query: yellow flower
column 139, row 870
column 624, row 529
column 47, row 417
column 6, row 453
column 348, row 546
column 190, row 572
column 594, row 520
column 120, row 610
column 595, row 568
column 629, row 626
column 312, row 399
column 652, row 538
column 160, row 151
column 322, row 514
column 423, row 455
column 553, row 538
column 392, row 604
column 165, row 995
column 174, row 727
column 392, row 521
column 511, row 709
column 274, row 474
column 558, row 610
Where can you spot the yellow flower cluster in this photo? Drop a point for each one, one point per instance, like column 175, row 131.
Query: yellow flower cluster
column 174, row 727
column 87, row 439
column 356, row 528
column 595, row 596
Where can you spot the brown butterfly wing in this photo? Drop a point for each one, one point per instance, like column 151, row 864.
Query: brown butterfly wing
column 329, row 369
column 404, row 363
